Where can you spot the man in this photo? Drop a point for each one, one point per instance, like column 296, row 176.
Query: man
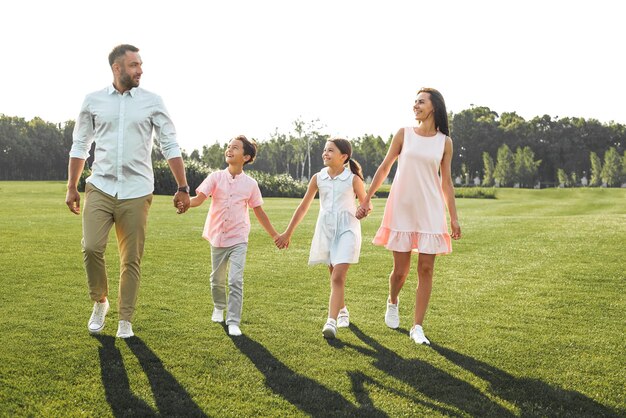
column 121, row 119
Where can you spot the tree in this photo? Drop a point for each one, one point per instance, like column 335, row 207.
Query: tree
column 306, row 131
column 525, row 167
column 624, row 167
column 504, row 172
column 213, row 156
column 369, row 151
column 488, row 170
column 596, row 170
column 612, row 169
column 562, row 177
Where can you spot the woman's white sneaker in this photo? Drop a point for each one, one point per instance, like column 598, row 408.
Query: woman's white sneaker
column 96, row 322
column 417, row 335
column 392, row 316
column 330, row 329
column 343, row 319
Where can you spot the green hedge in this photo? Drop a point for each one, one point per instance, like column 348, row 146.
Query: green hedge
column 459, row 192
column 281, row 185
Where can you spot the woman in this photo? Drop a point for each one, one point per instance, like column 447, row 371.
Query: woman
column 415, row 213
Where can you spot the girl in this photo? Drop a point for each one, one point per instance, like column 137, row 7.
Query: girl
column 415, row 216
column 337, row 238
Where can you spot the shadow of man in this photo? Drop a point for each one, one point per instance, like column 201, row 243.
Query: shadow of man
column 435, row 384
column 170, row 397
column 305, row 393
column 533, row 397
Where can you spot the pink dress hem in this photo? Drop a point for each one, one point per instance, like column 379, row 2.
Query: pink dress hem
column 419, row 242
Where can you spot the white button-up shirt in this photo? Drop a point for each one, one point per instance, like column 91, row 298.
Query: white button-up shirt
column 122, row 126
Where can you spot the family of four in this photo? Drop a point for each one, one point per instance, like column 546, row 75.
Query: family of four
column 122, row 120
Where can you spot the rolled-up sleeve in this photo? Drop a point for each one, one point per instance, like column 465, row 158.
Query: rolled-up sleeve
column 164, row 131
column 83, row 134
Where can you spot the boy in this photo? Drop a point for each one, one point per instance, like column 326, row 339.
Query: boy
column 228, row 225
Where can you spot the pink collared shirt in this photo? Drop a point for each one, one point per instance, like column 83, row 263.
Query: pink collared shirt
column 228, row 221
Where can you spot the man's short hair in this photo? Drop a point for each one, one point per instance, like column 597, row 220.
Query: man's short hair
column 119, row 51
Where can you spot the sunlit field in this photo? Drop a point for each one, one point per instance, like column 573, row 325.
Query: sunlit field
column 527, row 318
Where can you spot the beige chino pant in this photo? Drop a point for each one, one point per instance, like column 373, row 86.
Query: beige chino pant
column 100, row 213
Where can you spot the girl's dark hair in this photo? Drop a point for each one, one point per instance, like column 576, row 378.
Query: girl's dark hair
column 249, row 148
column 345, row 148
column 441, row 114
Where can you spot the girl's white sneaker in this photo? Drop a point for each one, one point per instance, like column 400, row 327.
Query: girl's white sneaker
column 417, row 335
column 343, row 319
column 330, row 329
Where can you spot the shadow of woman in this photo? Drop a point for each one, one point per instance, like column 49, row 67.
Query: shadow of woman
column 458, row 396
column 533, row 397
column 170, row 397
column 305, row 393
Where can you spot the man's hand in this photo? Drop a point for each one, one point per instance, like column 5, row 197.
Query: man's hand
column 72, row 200
column 181, row 202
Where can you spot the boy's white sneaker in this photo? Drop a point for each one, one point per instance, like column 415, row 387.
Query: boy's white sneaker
column 234, row 330
column 218, row 315
column 330, row 329
column 96, row 321
column 343, row 319
column 124, row 329
column 392, row 316
column 417, row 335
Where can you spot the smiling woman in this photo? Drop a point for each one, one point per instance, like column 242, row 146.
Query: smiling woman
column 415, row 213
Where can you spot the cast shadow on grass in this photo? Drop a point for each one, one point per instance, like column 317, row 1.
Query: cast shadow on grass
column 308, row 395
column 170, row 397
column 457, row 396
column 533, row 397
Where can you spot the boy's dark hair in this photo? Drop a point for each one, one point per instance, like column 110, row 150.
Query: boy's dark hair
column 119, row 51
column 249, row 148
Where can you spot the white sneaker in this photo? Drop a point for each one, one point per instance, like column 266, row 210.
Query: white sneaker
column 234, row 330
column 96, row 322
column 330, row 329
column 417, row 335
column 343, row 319
column 218, row 315
column 392, row 317
column 125, row 329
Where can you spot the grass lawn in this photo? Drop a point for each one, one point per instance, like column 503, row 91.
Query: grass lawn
column 527, row 318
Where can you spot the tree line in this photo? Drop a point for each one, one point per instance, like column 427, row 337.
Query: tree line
column 498, row 149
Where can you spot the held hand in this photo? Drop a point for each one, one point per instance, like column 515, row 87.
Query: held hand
column 456, row 230
column 364, row 209
column 282, row 241
column 72, row 200
column 181, row 202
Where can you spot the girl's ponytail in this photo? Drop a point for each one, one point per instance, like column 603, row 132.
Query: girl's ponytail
column 356, row 169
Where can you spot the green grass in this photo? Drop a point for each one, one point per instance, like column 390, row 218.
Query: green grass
column 527, row 318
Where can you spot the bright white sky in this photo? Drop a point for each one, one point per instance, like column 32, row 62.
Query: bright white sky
column 230, row 67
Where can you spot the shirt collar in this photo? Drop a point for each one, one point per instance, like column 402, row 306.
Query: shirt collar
column 343, row 176
column 237, row 176
column 111, row 90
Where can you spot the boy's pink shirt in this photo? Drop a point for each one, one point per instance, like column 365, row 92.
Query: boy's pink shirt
column 228, row 220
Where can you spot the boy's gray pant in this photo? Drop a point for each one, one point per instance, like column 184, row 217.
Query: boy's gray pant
column 220, row 256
